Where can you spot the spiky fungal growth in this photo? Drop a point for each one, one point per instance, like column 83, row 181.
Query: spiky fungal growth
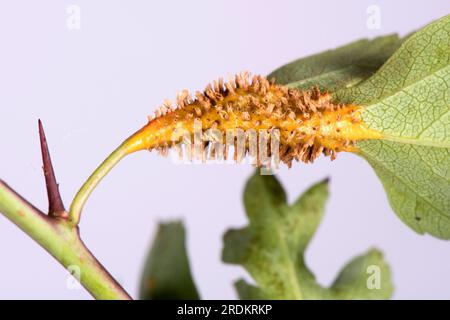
column 309, row 123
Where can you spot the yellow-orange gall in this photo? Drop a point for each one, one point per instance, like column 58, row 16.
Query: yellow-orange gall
column 309, row 123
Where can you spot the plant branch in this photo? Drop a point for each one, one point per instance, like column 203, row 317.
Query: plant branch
column 63, row 242
column 92, row 182
column 55, row 204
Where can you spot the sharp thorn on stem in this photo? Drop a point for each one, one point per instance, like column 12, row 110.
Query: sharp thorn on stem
column 55, row 204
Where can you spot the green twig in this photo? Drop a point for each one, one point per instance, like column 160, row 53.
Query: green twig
column 128, row 146
column 62, row 241
column 92, row 182
column 56, row 234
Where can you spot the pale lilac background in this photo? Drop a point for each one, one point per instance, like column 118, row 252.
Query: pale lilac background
column 93, row 87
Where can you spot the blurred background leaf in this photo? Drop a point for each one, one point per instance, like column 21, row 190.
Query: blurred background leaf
column 271, row 248
column 167, row 274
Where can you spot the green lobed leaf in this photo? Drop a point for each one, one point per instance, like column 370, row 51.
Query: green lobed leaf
column 271, row 248
column 408, row 100
column 337, row 68
column 167, row 274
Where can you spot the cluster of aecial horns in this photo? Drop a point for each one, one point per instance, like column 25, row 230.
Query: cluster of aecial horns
column 305, row 118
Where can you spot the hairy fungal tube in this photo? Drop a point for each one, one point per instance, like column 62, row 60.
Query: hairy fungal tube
column 309, row 123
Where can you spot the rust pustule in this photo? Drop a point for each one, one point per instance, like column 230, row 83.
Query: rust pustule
column 309, row 122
